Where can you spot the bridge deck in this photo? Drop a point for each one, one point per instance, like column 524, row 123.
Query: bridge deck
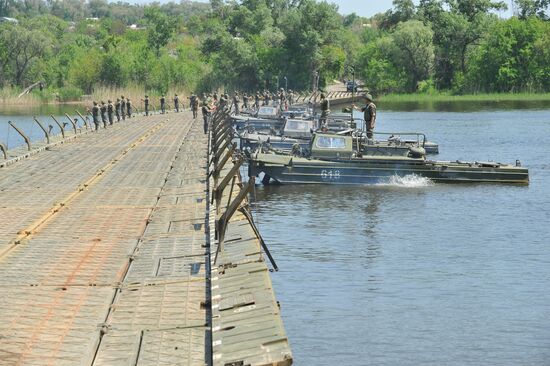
column 103, row 249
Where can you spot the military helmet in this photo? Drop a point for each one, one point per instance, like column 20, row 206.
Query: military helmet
column 109, row 101
column 367, row 96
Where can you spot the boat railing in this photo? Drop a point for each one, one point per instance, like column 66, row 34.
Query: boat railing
column 418, row 136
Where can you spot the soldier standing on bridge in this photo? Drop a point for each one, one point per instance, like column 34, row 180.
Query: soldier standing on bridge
column 245, row 101
column 282, row 99
column 192, row 100
column 369, row 111
column 195, row 106
column 267, row 97
column 129, row 107
column 146, row 105
column 236, row 101
column 176, row 103
column 290, row 97
column 325, row 111
column 205, row 113
column 117, row 109
column 123, row 107
column 110, row 111
column 163, row 104
column 104, row 114
column 257, row 101
column 95, row 115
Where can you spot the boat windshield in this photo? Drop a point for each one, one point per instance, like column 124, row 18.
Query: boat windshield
column 331, row 142
column 267, row 111
column 297, row 125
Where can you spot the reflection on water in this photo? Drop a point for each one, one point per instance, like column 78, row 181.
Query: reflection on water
column 462, row 106
column 40, row 109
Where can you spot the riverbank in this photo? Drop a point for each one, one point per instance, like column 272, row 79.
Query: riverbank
column 445, row 97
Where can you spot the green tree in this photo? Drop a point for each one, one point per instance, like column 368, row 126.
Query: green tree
column 160, row 29
column 413, row 51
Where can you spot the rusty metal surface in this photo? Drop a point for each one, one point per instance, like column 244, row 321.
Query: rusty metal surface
column 99, row 254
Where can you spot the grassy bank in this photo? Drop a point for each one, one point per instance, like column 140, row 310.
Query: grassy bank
column 10, row 96
column 442, row 97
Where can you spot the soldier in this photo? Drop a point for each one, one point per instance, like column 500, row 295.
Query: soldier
column 110, row 111
column 267, row 98
column 245, row 101
column 146, row 104
column 216, row 99
column 290, row 97
column 325, row 111
column 205, row 113
column 162, row 104
column 282, row 99
column 103, row 110
column 257, row 101
column 123, row 107
column 176, row 103
column 129, row 107
column 95, row 115
column 369, row 111
column 195, row 106
column 192, row 100
column 117, row 109
column 236, row 101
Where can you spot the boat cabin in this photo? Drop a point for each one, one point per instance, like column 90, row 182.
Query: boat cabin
column 268, row 112
column 298, row 128
column 334, row 146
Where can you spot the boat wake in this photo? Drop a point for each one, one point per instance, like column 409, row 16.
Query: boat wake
column 408, row 181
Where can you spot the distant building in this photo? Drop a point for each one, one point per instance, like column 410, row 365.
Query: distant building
column 8, row 20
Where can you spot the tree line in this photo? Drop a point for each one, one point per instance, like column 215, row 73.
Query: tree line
column 460, row 46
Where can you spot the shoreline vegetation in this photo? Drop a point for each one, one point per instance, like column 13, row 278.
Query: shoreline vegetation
column 100, row 49
column 8, row 97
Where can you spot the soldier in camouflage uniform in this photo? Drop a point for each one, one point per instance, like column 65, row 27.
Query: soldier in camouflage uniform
column 205, row 113
column 163, row 104
column 146, row 105
column 176, row 103
column 369, row 116
column 110, row 111
column 257, row 101
column 236, row 101
column 123, row 107
column 129, row 107
column 103, row 110
column 95, row 115
column 325, row 111
column 117, row 109
column 245, row 101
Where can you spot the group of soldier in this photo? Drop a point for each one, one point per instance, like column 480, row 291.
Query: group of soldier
column 122, row 108
column 107, row 112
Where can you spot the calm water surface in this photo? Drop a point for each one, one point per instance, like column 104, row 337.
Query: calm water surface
column 22, row 117
column 413, row 273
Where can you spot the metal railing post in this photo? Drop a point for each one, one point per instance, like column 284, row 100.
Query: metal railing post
column 27, row 140
column 60, row 125
column 46, row 133
column 4, row 151
column 72, row 123
column 83, row 119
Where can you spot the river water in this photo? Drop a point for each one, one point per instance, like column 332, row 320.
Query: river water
column 415, row 273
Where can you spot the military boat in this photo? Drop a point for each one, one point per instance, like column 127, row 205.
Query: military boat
column 299, row 132
column 347, row 159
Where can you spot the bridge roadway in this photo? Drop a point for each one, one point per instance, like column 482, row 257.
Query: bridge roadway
column 104, row 256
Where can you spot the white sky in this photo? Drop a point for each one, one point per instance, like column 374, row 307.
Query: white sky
column 366, row 8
